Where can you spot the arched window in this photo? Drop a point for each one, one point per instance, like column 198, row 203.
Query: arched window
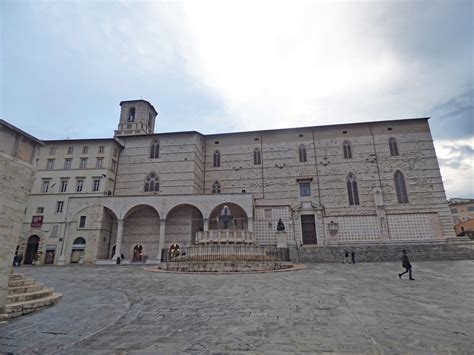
column 217, row 159
column 79, row 241
column 392, row 143
column 346, row 146
column 131, row 114
column 257, row 157
column 352, row 190
column 216, row 187
column 302, row 153
column 400, row 186
column 152, row 183
column 155, row 150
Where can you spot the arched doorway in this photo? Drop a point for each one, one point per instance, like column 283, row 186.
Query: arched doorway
column 141, row 228
column 182, row 223
column 31, row 249
column 77, row 253
column 108, row 234
column 239, row 220
column 137, row 253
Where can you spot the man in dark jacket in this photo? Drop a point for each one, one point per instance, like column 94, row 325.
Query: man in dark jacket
column 406, row 264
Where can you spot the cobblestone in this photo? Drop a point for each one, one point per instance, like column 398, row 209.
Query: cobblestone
column 361, row 308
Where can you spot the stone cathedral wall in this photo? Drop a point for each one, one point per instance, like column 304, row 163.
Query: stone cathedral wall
column 186, row 166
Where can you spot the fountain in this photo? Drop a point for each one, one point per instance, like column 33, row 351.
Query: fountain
column 226, row 249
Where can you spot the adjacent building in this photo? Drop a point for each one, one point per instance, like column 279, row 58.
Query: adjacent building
column 462, row 210
column 139, row 192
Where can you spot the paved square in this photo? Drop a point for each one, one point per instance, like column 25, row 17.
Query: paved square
column 325, row 307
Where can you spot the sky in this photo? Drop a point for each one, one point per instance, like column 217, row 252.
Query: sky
column 226, row 66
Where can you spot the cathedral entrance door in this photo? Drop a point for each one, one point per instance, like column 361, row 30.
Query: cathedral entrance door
column 308, row 228
column 31, row 249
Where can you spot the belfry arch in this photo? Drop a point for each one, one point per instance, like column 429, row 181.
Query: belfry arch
column 240, row 218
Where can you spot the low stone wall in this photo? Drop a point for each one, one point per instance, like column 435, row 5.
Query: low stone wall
column 224, row 266
column 462, row 250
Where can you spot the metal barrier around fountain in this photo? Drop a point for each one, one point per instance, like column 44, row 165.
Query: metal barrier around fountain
column 223, row 252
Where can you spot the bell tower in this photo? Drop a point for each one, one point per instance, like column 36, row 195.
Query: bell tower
column 136, row 117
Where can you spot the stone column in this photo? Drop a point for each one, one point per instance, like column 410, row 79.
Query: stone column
column 250, row 224
column 62, row 257
column 206, row 224
column 118, row 242
column 161, row 243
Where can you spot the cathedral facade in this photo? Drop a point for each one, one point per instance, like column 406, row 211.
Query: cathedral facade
column 139, row 192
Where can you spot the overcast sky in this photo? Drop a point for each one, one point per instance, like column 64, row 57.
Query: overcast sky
column 220, row 66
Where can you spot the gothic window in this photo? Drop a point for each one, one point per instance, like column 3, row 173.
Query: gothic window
column 400, row 186
column 152, row 183
column 155, row 150
column 216, row 187
column 392, row 143
column 302, row 153
column 346, row 146
column 256, row 157
column 131, row 114
column 217, row 159
column 352, row 190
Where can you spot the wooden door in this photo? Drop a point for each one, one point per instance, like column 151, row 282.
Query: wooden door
column 308, row 228
column 76, row 255
column 31, row 249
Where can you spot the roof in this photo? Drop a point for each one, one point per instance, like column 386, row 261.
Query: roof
column 283, row 129
column 16, row 129
column 117, row 139
column 140, row 100
column 328, row 125
column 83, row 140
column 459, row 201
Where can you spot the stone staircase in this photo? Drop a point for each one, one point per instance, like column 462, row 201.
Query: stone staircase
column 26, row 296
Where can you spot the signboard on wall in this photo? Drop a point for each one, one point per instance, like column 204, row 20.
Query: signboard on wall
column 36, row 221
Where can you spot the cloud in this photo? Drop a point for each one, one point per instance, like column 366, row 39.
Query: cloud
column 456, row 159
column 72, row 63
column 223, row 66
column 283, row 64
column 454, row 118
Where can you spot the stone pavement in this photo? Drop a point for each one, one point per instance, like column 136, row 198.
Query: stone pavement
column 362, row 308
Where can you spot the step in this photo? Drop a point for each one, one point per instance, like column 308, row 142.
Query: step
column 20, row 308
column 16, row 277
column 45, row 292
column 22, row 282
column 25, row 289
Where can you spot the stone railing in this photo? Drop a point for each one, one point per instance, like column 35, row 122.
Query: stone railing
column 225, row 236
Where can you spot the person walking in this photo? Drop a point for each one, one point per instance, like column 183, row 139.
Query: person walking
column 353, row 257
column 406, row 264
column 346, row 257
